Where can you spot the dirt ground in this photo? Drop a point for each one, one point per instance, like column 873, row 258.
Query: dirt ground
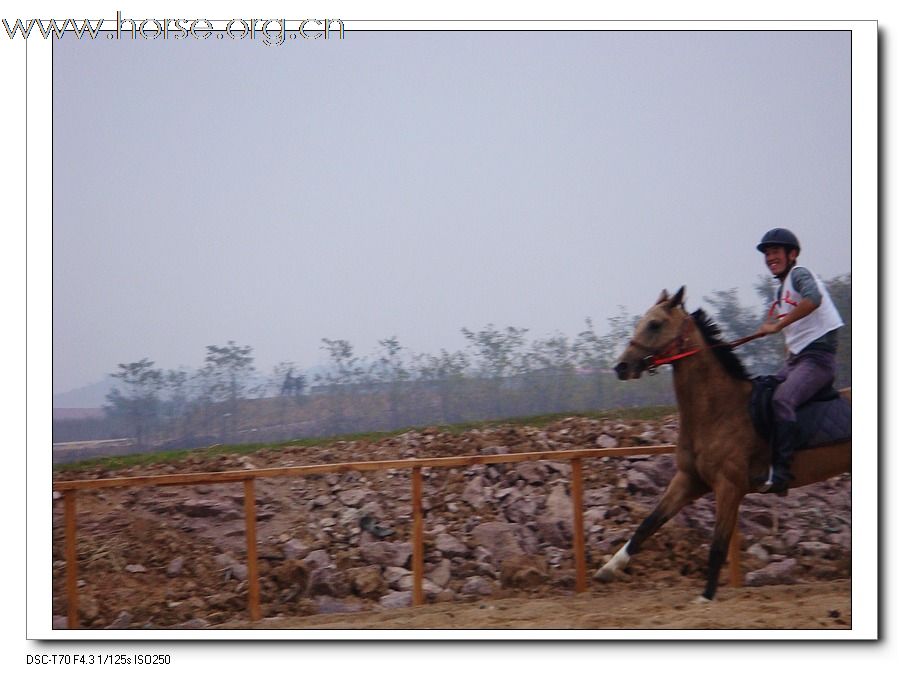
column 811, row 606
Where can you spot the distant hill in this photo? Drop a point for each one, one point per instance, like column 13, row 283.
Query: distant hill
column 89, row 396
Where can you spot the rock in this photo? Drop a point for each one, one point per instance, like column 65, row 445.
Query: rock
column 639, row 481
column 523, row 572
column 294, row 549
column 60, row 623
column 759, row 552
column 394, row 574
column 208, row 508
column 816, row 548
column 122, row 620
column 448, row 545
column 554, row 525
column 174, row 568
column 230, row 567
column 531, row 472
column 136, row 568
column 444, row 596
column 193, row 624
column 88, row 608
column 477, row 585
column 792, row 537
column 396, row 600
column 321, row 501
column 473, row 493
column 563, row 469
column 777, row 573
column 521, row 510
column 504, row 540
column 291, row 573
column 317, row 559
column 442, row 574
column 367, row 581
column 369, row 524
column 386, row 553
column 353, row 497
column 605, row 441
column 327, row 581
column 558, row 503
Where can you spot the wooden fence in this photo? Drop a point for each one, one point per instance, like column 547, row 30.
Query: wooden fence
column 69, row 490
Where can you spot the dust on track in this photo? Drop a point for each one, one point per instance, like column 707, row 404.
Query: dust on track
column 817, row 606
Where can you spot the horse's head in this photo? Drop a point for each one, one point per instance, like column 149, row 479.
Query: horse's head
column 660, row 328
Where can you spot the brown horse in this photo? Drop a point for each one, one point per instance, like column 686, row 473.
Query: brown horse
column 718, row 447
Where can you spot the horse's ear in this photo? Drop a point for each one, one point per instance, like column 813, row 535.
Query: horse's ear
column 663, row 296
column 677, row 298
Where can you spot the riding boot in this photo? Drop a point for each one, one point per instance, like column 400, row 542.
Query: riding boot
column 780, row 476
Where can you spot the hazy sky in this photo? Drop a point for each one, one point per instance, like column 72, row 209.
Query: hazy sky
column 409, row 184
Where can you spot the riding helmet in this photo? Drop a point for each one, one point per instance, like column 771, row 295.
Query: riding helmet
column 778, row 237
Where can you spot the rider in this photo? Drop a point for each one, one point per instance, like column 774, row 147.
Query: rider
column 807, row 317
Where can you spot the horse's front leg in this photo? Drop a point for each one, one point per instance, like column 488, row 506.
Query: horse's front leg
column 728, row 501
column 683, row 489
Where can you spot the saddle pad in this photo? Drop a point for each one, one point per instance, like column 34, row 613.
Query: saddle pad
column 823, row 422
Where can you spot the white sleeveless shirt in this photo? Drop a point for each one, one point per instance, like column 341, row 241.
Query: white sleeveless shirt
column 823, row 319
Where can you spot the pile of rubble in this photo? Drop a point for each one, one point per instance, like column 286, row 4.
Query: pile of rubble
column 175, row 556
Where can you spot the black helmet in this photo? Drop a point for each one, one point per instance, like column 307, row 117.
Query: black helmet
column 778, row 237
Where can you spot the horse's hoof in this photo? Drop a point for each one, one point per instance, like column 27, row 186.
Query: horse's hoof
column 604, row 575
column 702, row 600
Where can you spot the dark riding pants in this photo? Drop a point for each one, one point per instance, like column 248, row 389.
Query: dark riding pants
column 802, row 376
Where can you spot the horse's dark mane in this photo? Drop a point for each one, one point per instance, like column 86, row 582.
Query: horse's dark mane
column 724, row 353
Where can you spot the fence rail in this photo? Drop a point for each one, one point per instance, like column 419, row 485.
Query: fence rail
column 70, row 488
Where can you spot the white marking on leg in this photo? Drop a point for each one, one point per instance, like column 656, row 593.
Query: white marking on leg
column 618, row 562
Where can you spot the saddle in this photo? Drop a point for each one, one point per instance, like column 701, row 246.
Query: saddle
column 825, row 419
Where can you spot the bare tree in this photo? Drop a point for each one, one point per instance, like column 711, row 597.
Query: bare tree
column 137, row 404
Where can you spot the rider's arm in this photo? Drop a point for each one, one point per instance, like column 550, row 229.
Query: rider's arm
column 811, row 298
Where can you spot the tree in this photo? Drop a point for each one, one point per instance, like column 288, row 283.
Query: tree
column 390, row 371
column 594, row 356
column 445, row 375
column 496, row 351
column 175, row 406
column 137, row 404
column 346, row 372
column 227, row 370
column 550, row 370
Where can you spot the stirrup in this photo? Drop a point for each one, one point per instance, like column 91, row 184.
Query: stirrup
column 766, row 486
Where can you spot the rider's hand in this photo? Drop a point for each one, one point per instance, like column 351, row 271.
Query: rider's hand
column 770, row 327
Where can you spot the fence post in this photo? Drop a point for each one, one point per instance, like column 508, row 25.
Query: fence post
column 71, row 558
column 417, row 538
column 577, row 502
column 254, row 606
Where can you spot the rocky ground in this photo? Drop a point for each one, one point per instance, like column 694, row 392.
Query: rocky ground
column 338, row 545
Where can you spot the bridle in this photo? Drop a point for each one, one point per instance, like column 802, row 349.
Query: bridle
column 675, row 349
column 680, row 347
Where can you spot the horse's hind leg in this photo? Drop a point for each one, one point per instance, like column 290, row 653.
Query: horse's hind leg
column 728, row 501
column 682, row 490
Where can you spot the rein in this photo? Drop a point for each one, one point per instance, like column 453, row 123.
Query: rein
column 677, row 347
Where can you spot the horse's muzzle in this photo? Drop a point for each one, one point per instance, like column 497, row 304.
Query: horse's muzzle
column 632, row 370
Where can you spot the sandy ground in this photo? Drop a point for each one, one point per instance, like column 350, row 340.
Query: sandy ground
column 806, row 606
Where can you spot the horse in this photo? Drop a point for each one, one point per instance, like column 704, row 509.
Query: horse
column 719, row 449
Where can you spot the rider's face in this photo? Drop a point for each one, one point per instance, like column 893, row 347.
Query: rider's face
column 777, row 260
